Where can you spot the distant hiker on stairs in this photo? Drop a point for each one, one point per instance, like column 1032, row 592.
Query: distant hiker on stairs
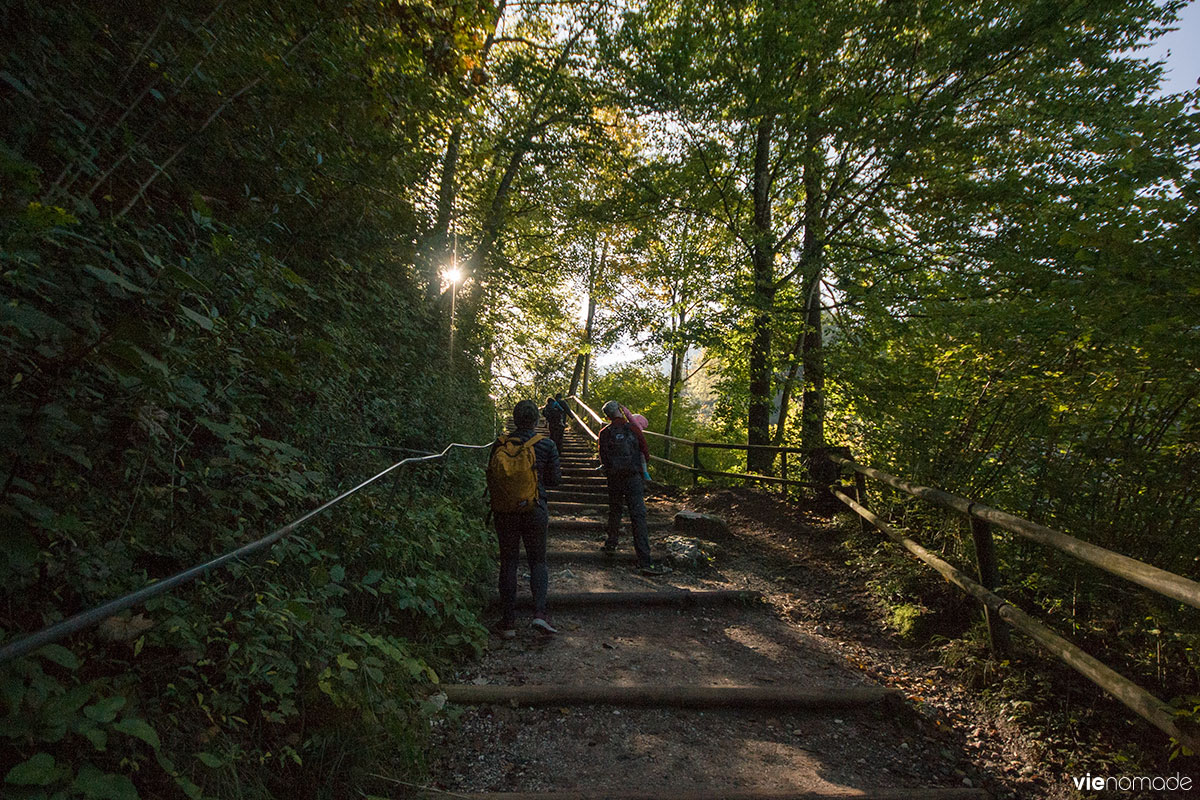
column 558, row 398
column 556, row 420
column 623, row 451
column 521, row 466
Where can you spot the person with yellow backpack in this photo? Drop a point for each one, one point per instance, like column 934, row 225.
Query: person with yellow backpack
column 521, row 465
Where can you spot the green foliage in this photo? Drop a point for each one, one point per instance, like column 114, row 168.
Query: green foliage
column 907, row 618
column 209, row 295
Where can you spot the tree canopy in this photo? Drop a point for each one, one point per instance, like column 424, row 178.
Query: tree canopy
column 961, row 239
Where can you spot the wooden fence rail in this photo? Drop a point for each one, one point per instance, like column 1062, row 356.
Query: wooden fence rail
column 982, row 518
column 1151, row 577
column 996, row 610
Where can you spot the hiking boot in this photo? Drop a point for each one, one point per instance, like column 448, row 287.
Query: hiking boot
column 654, row 569
column 508, row 633
column 543, row 625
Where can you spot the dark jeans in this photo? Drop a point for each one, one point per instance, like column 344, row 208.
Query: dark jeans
column 512, row 529
column 627, row 491
column 556, row 436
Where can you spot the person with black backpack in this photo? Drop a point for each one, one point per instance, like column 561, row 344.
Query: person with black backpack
column 558, row 398
column 556, row 421
column 520, row 468
column 622, row 450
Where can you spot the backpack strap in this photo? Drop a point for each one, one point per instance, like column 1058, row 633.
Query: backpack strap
column 532, row 440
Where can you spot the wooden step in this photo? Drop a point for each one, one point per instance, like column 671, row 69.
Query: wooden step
column 775, row 698
column 623, row 556
column 950, row 793
column 568, row 524
column 578, row 496
column 565, row 507
column 668, row 597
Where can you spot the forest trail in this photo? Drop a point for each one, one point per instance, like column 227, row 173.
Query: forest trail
column 792, row 642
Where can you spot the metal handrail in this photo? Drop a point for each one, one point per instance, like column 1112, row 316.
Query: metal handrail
column 86, row 619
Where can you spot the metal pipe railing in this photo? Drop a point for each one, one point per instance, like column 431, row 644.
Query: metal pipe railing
column 86, row 619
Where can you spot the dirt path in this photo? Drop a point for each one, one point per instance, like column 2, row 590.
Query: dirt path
column 813, row 631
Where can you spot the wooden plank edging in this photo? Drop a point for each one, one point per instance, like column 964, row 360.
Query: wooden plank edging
column 950, row 793
column 658, row 696
column 671, row 597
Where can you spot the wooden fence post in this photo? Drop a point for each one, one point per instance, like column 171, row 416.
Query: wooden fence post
column 860, row 495
column 783, row 487
column 989, row 576
column 695, row 463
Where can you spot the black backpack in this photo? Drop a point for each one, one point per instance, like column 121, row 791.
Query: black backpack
column 624, row 452
column 553, row 413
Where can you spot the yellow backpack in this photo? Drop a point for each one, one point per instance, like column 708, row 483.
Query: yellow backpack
column 512, row 474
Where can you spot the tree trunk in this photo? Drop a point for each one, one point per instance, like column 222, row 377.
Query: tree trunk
column 497, row 211
column 439, row 239
column 763, row 258
column 597, row 268
column 812, row 415
column 788, row 385
column 672, row 388
column 576, row 374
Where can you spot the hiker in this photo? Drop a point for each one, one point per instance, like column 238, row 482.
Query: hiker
column 622, row 450
column 558, row 398
column 520, row 468
column 556, row 421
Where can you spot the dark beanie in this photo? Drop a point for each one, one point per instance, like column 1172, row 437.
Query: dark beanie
column 525, row 414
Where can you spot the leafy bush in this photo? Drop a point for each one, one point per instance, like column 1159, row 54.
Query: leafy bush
column 211, row 297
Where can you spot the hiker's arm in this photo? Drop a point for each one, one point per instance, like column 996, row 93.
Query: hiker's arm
column 601, row 440
column 641, row 442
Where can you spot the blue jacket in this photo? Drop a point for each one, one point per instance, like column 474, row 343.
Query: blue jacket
column 555, row 413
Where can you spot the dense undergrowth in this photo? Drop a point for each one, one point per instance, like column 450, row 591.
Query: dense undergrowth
column 211, row 301
column 1079, row 727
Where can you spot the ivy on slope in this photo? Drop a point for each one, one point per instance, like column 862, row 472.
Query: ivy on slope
column 209, row 288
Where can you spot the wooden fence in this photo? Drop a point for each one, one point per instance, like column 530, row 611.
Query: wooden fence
column 982, row 519
column 697, row 468
column 996, row 609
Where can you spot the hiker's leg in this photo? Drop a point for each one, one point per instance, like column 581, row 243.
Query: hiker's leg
column 634, row 494
column 534, row 531
column 616, row 499
column 509, row 536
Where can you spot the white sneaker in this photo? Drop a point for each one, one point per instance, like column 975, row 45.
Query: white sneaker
column 543, row 625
